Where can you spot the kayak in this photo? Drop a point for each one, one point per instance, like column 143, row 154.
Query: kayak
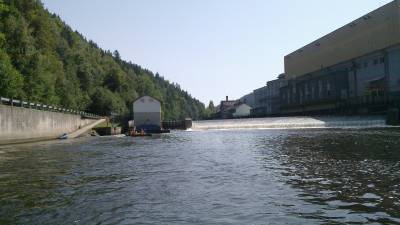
column 63, row 137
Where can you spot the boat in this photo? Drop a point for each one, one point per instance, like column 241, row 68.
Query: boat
column 63, row 137
column 139, row 134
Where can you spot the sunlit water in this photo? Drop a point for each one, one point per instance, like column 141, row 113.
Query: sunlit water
column 208, row 177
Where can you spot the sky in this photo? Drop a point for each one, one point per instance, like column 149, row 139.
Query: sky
column 212, row 48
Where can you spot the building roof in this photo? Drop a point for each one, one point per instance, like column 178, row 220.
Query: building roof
column 147, row 96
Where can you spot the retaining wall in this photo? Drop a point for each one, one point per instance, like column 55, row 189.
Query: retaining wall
column 19, row 124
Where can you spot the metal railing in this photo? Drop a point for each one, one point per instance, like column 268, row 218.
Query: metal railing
column 23, row 104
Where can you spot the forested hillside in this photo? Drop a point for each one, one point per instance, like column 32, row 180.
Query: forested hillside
column 43, row 60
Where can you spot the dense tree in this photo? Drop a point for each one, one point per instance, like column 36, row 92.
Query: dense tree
column 11, row 81
column 42, row 59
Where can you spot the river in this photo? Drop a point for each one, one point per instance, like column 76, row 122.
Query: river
column 310, row 176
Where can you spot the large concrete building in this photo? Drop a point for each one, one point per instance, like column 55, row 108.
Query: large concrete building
column 260, row 102
column 373, row 32
column 359, row 60
column 267, row 100
column 147, row 113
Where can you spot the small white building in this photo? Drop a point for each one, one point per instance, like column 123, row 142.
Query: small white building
column 242, row 110
column 147, row 113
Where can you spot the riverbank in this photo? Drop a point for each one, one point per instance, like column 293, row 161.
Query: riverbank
column 24, row 125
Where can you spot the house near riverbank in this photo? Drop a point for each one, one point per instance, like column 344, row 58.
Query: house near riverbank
column 147, row 113
column 232, row 109
column 241, row 110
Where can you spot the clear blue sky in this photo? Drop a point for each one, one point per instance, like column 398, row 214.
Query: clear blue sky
column 212, row 48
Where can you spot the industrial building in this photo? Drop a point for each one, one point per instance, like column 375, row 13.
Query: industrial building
column 147, row 114
column 354, row 69
column 260, row 102
column 267, row 100
column 358, row 63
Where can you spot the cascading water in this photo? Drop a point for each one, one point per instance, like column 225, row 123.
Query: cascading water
column 292, row 123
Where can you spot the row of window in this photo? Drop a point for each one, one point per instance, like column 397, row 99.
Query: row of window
column 374, row 62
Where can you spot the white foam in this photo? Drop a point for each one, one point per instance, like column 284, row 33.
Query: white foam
column 292, row 123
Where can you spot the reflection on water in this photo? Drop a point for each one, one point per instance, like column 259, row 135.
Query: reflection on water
column 210, row 177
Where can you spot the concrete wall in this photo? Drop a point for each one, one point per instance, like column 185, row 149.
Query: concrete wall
column 147, row 118
column 369, row 68
column 22, row 124
column 394, row 69
column 375, row 31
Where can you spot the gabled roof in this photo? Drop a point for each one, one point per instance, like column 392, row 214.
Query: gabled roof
column 242, row 103
column 149, row 97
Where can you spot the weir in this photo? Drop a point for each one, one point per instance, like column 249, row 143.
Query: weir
column 293, row 123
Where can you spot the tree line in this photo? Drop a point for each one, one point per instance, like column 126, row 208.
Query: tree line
column 43, row 60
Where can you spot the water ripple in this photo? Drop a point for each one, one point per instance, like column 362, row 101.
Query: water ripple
column 212, row 177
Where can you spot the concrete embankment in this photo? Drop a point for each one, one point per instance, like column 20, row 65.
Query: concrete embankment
column 293, row 123
column 19, row 125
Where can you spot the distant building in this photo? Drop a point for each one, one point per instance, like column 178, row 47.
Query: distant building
column 225, row 108
column 267, row 99
column 260, row 102
column 248, row 99
column 229, row 109
column 357, row 65
column 241, row 110
column 147, row 113
column 373, row 32
column 273, row 95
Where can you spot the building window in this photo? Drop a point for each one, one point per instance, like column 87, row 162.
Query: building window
column 366, row 64
column 382, row 60
column 375, row 62
column 312, row 91
column 328, row 88
column 320, row 88
column 301, row 96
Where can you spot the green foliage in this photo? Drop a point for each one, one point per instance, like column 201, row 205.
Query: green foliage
column 42, row 59
column 106, row 102
column 11, row 80
column 3, row 7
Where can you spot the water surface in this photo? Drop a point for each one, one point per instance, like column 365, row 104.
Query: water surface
column 321, row 176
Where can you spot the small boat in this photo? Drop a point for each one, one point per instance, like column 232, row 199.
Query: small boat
column 63, row 137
